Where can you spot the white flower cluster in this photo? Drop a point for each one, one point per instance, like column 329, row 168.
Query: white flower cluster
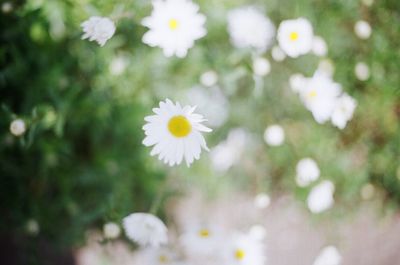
column 99, row 29
column 324, row 98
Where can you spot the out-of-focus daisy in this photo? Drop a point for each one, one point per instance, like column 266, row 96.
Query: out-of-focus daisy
column 201, row 241
column 209, row 78
column 368, row 2
column 7, row 7
column 328, row 256
column 175, row 132
column 343, row 111
column 362, row 29
column 118, row 65
column 249, row 28
column 277, row 54
column 245, row 250
column 361, row 71
column 32, row 227
column 99, row 29
column 326, row 67
column 321, row 197
column 307, row 171
column 145, row 229
column 320, row 95
column 297, row 82
column 319, row 46
column 156, row 256
column 261, row 66
column 295, row 36
column 111, row 230
column 274, row 135
column 228, row 152
column 262, row 200
column 17, row 127
column 174, row 25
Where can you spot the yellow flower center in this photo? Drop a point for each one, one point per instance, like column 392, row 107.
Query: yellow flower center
column 239, row 254
column 293, row 36
column 312, row 94
column 179, row 126
column 173, row 24
column 204, row 233
column 162, row 259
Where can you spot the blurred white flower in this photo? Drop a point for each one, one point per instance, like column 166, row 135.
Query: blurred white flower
column 326, row 67
column 174, row 25
column 17, row 127
column 328, row 256
column 201, row 241
column 295, row 36
column 343, row 111
column 362, row 29
column 307, row 171
column 111, row 230
column 209, row 78
column 156, row 256
column 118, row 65
column 319, row 46
column 321, row 197
column 245, row 250
column 258, row 232
column 361, row 71
column 6, row 7
column 32, row 227
column 228, row 152
column 145, row 229
column 297, row 82
column 262, row 200
column 175, row 133
column 320, row 95
column 211, row 102
column 277, row 54
column 274, row 135
column 99, row 29
column 261, row 66
column 249, row 28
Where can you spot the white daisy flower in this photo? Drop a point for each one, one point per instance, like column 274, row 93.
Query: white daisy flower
column 319, row 46
column 361, row 71
column 99, row 29
column 175, row 132
column 261, row 66
column 209, row 78
column 343, row 111
column 111, row 230
column 362, row 29
column 201, row 241
column 328, row 256
column 274, row 135
column 320, row 95
column 145, row 229
column 245, row 250
column 156, row 256
column 262, row 201
column 249, row 28
column 174, row 26
column 295, row 36
column 307, row 171
column 321, row 197
column 297, row 82
column 17, row 127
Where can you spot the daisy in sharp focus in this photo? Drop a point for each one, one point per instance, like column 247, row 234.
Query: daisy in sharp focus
column 175, row 133
column 174, row 25
column 295, row 37
column 249, row 28
column 99, row 29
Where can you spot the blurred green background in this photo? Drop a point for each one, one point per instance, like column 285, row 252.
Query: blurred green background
column 81, row 162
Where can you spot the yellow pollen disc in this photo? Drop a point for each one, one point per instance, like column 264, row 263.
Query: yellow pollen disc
column 163, row 259
column 179, row 126
column 204, row 233
column 293, row 36
column 173, row 24
column 312, row 94
column 239, row 254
